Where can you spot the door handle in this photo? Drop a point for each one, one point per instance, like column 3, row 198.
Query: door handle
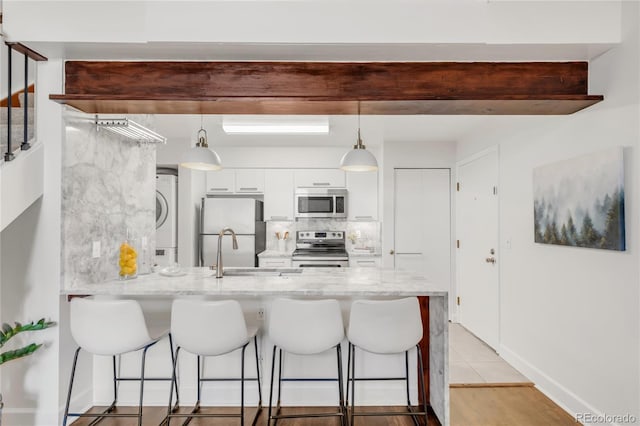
column 490, row 260
column 392, row 252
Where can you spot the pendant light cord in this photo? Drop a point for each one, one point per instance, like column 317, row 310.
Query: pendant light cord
column 359, row 144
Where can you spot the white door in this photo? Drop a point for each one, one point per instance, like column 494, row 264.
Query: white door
column 422, row 241
column 477, row 257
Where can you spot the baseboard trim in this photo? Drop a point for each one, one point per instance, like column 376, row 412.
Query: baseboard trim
column 81, row 402
column 563, row 397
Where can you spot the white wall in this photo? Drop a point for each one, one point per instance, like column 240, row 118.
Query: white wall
column 570, row 316
column 31, row 275
column 413, row 155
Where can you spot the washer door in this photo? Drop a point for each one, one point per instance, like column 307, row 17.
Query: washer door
column 162, row 209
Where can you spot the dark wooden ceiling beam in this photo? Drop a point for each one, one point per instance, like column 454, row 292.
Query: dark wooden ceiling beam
column 327, row 87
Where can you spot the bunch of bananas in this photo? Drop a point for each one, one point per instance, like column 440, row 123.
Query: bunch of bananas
column 128, row 263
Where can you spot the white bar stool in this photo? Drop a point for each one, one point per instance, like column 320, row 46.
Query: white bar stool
column 111, row 327
column 211, row 328
column 385, row 327
column 305, row 327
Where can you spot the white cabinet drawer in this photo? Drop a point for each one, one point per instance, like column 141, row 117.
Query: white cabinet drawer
column 365, row 262
column 280, row 262
column 320, row 178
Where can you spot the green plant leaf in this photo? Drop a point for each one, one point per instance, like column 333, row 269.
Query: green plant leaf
column 19, row 353
column 8, row 332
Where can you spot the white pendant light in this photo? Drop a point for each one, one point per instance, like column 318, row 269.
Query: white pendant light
column 359, row 159
column 200, row 157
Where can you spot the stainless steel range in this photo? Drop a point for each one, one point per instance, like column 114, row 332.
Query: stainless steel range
column 320, row 249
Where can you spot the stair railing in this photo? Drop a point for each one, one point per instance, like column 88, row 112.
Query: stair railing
column 29, row 54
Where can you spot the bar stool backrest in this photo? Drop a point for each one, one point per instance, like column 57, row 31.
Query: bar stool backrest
column 208, row 327
column 107, row 326
column 385, row 326
column 306, row 327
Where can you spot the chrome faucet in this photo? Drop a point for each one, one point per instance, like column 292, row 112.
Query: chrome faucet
column 219, row 258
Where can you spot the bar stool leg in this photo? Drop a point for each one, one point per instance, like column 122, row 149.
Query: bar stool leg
column 281, row 363
column 406, row 377
column 424, row 390
column 353, row 382
column 255, row 345
column 348, row 374
column 174, row 382
column 341, row 386
column 242, row 386
column 144, row 357
column 73, row 372
column 199, row 390
column 173, row 358
column 273, row 367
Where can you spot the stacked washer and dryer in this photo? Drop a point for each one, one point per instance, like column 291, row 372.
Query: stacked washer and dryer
column 166, row 217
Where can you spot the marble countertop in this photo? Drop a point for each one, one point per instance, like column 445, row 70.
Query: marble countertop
column 275, row 253
column 310, row 282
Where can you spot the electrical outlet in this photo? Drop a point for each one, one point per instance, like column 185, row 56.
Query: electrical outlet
column 260, row 314
column 95, row 249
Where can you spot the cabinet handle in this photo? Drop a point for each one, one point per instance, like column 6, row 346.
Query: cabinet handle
column 248, row 189
column 366, row 261
column 279, row 217
column 275, row 263
column 218, row 189
column 364, row 217
column 321, row 183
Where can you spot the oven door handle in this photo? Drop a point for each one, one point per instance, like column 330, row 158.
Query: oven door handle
column 306, row 265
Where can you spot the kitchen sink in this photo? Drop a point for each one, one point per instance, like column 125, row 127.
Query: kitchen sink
column 257, row 272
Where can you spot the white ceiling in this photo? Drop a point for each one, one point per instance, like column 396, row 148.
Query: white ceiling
column 343, row 129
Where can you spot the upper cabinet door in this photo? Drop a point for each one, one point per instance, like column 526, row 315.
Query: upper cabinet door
column 249, row 181
column 221, row 181
column 278, row 194
column 363, row 195
column 320, row 178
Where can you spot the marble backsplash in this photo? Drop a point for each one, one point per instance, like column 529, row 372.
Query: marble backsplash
column 359, row 235
column 108, row 188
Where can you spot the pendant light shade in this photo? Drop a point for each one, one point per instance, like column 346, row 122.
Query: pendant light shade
column 359, row 159
column 200, row 157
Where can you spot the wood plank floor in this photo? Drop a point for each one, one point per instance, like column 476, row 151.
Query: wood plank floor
column 474, row 406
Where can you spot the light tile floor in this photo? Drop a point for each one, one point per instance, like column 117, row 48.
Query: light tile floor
column 471, row 361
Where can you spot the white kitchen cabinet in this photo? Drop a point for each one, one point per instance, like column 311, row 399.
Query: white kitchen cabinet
column 221, row 181
column 278, row 194
column 274, row 262
column 249, row 181
column 320, row 178
column 365, row 262
column 363, row 195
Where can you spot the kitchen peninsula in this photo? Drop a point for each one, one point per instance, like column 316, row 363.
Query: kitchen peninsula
column 344, row 284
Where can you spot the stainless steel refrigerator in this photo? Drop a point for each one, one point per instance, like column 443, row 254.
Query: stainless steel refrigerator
column 245, row 217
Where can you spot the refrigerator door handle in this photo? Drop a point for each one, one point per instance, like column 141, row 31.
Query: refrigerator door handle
column 200, row 247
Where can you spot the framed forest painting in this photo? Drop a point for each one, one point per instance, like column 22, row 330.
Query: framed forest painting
column 580, row 202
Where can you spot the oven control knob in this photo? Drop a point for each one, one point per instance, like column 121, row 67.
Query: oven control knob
column 333, row 234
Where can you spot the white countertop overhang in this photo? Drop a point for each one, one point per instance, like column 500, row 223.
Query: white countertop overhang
column 335, row 282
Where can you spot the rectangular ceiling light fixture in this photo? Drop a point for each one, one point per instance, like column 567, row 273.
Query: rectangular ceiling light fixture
column 129, row 129
column 257, row 124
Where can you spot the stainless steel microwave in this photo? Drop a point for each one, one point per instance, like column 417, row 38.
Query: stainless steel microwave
column 321, row 202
